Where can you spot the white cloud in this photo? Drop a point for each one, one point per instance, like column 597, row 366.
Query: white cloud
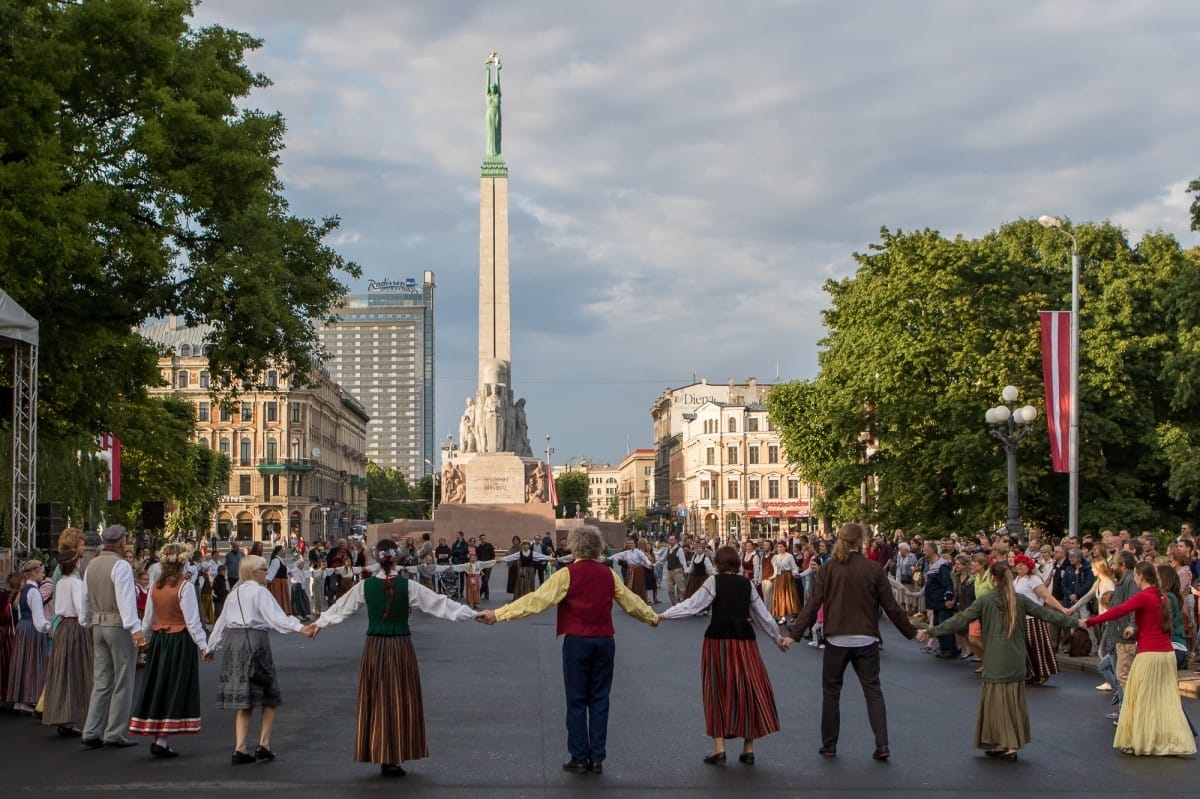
column 685, row 176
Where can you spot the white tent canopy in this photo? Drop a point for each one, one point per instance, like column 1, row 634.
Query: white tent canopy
column 15, row 323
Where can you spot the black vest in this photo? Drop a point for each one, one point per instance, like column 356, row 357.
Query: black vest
column 673, row 561
column 731, row 609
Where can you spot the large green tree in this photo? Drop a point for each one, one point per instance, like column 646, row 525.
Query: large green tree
column 572, row 490
column 923, row 337
column 135, row 184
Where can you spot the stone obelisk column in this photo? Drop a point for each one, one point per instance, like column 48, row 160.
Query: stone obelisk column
column 495, row 328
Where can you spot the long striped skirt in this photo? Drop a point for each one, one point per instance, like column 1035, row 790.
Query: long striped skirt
column 27, row 674
column 694, row 582
column 7, row 638
column 786, row 600
column 391, row 716
column 526, row 581
column 1040, row 662
column 169, row 703
column 738, row 699
column 282, row 591
column 69, row 675
column 635, row 581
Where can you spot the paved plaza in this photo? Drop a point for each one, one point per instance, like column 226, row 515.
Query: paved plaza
column 494, row 714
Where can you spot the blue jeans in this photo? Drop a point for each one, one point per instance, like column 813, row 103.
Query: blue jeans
column 587, row 679
column 1108, row 670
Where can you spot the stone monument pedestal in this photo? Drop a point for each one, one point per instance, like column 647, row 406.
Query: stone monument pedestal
column 500, row 522
column 492, row 478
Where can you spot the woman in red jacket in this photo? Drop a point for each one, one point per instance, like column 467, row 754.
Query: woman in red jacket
column 1152, row 720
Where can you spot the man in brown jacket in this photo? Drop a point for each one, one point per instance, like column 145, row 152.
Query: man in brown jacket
column 851, row 588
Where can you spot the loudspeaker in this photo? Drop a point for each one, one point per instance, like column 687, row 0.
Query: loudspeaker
column 47, row 524
column 154, row 515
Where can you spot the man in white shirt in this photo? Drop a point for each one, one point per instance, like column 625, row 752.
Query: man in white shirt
column 676, row 571
column 110, row 607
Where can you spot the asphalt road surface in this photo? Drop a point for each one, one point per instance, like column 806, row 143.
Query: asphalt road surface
column 494, row 715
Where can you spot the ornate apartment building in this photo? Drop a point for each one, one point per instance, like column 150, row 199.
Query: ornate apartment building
column 297, row 454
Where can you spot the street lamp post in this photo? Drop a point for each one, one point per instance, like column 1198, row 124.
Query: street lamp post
column 1010, row 425
column 1073, row 434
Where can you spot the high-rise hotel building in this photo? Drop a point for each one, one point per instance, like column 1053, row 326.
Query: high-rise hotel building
column 380, row 349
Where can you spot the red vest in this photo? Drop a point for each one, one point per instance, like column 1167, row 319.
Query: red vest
column 586, row 610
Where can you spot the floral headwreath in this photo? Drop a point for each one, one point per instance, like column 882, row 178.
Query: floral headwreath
column 175, row 553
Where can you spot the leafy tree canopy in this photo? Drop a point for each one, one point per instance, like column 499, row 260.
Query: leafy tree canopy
column 928, row 330
column 572, row 490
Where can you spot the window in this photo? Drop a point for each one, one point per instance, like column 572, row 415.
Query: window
column 752, row 490
column 752, row 424
column 731, row 489
column 272, row 450
column 244, row 454
column 185, row 351
column 272, row 411
column 203, row 378
column 223, row 446
column 773, row 453
column 225, row 417
column 202, row 412
column 705, row 490
column 183, row 379
column 732, row 453
column 247, row 411
column 772, row 489
column 295, row 411
column 272, row 378
column 752, row 454
column 793, row 489
column 710, row 456
column 732, row 425
column 244, row 485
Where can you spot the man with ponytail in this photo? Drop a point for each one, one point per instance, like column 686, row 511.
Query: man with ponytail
column 851, row 588
column 1002, row 724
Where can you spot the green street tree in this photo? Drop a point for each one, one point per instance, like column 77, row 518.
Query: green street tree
column 389, row 496
column 926, row 333
column 133, row 186
column 572, row 490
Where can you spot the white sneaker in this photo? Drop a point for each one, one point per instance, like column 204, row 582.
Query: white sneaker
column 812, row 643
column 1103, row 687
column 822, row 646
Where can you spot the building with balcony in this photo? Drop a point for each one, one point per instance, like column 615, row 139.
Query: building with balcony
column 380, row 349
column 635, row 485
column 297, row 453
column 733, row 477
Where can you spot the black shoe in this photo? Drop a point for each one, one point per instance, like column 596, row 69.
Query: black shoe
column 92, row 743
column 241, row 758
column 391, row 770
column 65, row 731
column 165, row 752
column 715, row 759
column 575, row 767
column 597, row 768
column 827, row 751
column 882, row 753
column 120, row 743
column 263, row 753
column 746, row 758
column 1011, row 756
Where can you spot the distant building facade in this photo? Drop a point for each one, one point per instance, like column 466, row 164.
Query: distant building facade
column 297, row 454
column 381, row 350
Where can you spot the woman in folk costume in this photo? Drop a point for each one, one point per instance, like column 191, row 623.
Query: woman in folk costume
column 169, row 702
column 752, row 565
column 208, row 608
column 525, row 561
column 739, row 701
column 785, row 597
column 699, row 568
column 277, row 580
column 1039, row 649
column 1152, row 720
column 69, row 672
column 391, row 716
column 474, row 581
column 298, row 576
column 31, row 644
column 248, row 678
column 633, row 562
column 1002, row 724
column 651, row 571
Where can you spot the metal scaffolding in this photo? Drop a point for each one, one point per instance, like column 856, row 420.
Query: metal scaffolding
column 19, row 335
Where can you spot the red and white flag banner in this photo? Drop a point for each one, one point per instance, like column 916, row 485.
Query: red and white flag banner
column 1056, row 370
column 110, row 453
column 550, row 481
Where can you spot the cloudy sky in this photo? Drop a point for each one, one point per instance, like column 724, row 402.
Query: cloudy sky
column 684, row 176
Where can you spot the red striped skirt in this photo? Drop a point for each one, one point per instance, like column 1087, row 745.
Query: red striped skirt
column 391, row 716
column 1040, row 661
column 786, row 599
column 635, row 581
column 282, row 591
column 738, row 699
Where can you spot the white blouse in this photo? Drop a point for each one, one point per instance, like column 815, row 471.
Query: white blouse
column 431, row 602
column 512, row 557
column 191, row 615
column 68, row 597
column 785, row 563
column 1027, row 587
column 631, row 557
column 251, row 606
column 704, row 596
